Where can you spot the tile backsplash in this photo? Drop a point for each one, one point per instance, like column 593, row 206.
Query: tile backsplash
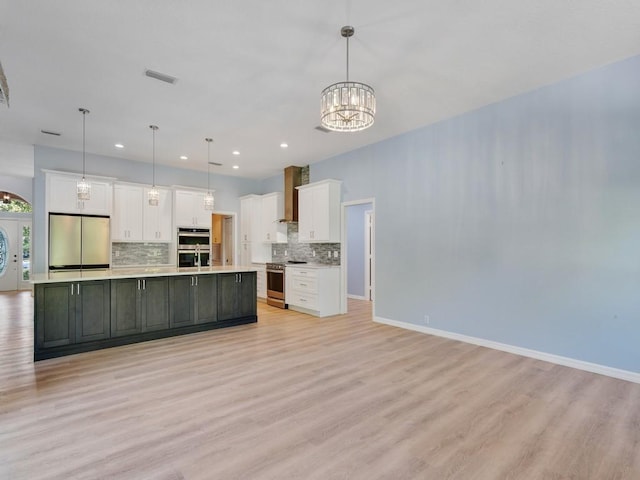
column 304, row 251
column 131, row 253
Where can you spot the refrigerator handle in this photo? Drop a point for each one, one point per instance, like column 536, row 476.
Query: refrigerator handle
column 78, row 288
column 72, row 289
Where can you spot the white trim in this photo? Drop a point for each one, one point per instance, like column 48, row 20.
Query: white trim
column 357, row 297
column 525, row 352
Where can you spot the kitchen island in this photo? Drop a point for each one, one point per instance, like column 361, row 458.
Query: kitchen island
column 93, row 309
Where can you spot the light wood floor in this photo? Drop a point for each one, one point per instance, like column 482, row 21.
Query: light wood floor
column 295, row 397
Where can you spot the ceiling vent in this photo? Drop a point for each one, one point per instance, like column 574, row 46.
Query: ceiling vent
column 4, row 88
column 49, row 132
column 161, row 76
column 216, row 164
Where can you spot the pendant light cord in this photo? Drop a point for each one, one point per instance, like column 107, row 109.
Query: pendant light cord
column 84, row 120
column 347, row 59
column 153, row 129
column 208, row 140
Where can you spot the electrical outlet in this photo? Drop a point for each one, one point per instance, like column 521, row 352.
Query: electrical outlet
column 328, row 254
column 335, row 254
column 285, row 253
column 117, row 253
column 313, row 253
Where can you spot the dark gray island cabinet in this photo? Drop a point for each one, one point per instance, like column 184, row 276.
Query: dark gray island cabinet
column 85, row 314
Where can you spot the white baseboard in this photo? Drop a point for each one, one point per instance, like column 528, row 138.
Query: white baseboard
column 357, row 297
column 525, row 352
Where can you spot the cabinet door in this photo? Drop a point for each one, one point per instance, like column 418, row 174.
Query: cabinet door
column 155, row 303
column 93, row 311
column 246, row 294
column 250, row 214
column 272, row 211
column 157, row 219
column 61, row 194
column 305, row 215
column 55, row 314
column 125, row 314
column 207, row 299
column 181, row 300
column 184, row 208
column 227, row 293
column 127, row 213
column 202, row 217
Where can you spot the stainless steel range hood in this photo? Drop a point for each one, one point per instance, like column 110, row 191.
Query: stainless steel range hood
column 292, row 179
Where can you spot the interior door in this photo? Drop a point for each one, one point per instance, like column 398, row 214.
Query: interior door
column 9, row 255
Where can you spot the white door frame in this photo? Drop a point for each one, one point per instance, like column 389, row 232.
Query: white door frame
column 234, row 233
column 368, row 254
column 343, row 252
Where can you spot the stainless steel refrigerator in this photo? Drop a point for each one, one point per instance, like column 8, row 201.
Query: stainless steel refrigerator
column 78, row 241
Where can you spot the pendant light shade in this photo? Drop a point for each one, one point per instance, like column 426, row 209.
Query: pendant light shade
column 153, row 194
column 83, row 188
column 347, row 106
column 209, row 201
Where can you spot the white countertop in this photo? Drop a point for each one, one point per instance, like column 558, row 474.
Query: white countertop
column 129, row 272
column 310, row 265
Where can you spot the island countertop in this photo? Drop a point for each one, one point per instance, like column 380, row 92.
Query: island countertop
column 135, row 272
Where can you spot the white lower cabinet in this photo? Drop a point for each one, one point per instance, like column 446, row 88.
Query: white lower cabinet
column 313, row 290
column 261, row 280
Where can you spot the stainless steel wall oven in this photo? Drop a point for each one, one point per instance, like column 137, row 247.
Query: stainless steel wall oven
column 194, row 247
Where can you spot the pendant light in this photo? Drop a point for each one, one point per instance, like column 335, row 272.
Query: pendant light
column 347, row 106
column 208, row 198
column 153, row 194
column 83, row 188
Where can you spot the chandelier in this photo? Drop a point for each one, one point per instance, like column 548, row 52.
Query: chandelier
column 347, row 106
column 153, row 194
column 83, row 188
column 208, row 198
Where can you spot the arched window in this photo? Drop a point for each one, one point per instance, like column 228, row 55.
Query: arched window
column 10, row 202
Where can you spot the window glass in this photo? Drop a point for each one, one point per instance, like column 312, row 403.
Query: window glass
column 4, row 247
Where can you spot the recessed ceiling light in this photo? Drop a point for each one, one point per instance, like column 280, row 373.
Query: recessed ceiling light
column 119, row 145
column 284, row 145
column 236, row 152
column 184, row 157
column 236, row 167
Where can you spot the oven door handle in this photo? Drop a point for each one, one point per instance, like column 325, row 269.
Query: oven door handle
column 276, row 271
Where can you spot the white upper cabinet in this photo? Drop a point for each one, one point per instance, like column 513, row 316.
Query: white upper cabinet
column 189, row 209
column 319, row 212
column 62, row 196
column 126, row 223
column 157, row 219
column 272, row 211
column 134, row 220
column 251, row 218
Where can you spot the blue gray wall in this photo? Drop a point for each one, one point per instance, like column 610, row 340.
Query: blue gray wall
column 227, row 189
column 355, row 236
column 518, row 222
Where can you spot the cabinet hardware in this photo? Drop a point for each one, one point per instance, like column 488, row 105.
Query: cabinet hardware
column 144, row 283
column 72, row 289
column 196, row 281
column 78, row 289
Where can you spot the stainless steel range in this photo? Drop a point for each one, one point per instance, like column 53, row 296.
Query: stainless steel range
column 275, row 285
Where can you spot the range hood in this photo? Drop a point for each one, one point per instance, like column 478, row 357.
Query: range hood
column 292, row 179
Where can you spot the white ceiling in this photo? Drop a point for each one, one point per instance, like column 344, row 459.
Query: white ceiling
column 250, row 72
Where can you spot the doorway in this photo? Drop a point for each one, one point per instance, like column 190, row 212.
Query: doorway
column 222, row 227
column 358, row 251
